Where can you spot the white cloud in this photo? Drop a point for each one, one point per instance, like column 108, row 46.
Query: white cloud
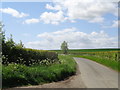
column 72, row 10
column 56, row 7
column 116, row 23
column 90, row 0
column 97, row 20
column 13, row 12
column 33, row 20
column 52, row 18
column 75, row 39
column 90, row 10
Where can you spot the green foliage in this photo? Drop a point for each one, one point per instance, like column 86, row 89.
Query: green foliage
column 17, row 53
column 27, row 56
column 17, row 75
column 64, row 47
column 109, row 63
column 20, row 44
column 109, row 55
column 2, row 35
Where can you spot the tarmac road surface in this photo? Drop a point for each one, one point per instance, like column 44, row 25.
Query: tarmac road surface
column 95, row 75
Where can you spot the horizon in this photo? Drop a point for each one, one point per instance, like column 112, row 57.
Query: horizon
column 82, row 48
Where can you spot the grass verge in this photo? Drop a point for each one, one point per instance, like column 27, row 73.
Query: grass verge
column 109, row 63
column 19, row 75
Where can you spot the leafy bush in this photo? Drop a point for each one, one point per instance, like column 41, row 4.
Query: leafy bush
column 26, row 56
column 16, row 53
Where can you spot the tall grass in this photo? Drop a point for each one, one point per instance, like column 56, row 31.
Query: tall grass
column 18, row 75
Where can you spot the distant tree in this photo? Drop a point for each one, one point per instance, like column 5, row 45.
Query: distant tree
column 64, row 47
column 10, row 42
column 20, row 44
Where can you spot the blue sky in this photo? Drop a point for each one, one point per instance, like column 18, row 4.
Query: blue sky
column 45, row 25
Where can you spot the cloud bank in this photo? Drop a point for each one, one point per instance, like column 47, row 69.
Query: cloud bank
column 92, row 11
column 75, row 39
column 71, row 10
column 13, row 12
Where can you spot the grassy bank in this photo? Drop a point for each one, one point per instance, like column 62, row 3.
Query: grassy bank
column 18, row 75
column 107, row 62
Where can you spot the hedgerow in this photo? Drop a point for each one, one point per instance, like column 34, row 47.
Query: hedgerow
column 17, row 53
column 27, row 56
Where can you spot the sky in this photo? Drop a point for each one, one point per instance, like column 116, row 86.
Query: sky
column 45, row 25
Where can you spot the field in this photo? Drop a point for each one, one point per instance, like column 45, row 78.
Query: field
column 77, row 51
column 107, row 57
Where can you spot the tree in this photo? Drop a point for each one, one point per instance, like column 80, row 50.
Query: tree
column 20, row 44
column 10, row 42
column 64, row 47
column 2, row 40
column 2, row 34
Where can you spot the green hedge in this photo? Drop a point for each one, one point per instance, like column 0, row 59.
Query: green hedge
column 26, row 56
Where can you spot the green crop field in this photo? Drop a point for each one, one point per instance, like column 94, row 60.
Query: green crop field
column 75, row 51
